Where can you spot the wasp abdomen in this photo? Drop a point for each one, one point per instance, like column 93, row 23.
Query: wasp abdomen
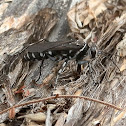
column 33, row 56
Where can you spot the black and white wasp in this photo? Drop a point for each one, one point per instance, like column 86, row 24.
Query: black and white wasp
column 54, row 50
column 57, row 51
column 61, row 50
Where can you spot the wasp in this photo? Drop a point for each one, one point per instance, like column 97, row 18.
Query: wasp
column 81, row 52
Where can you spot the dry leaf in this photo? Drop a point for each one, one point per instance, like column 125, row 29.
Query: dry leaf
column 123, row 67
column 27, row 92
column 78, row 92
column 12, row 22
column 60, row 90
column 34, row 124
column 82, row 13
column 12, row 113
column 35, row 117
column 61, row 120
column 49, row 118
column 122, row 115
column 3, row 7
column 3, row 124
column 8, row 91
column 75, row 112
column 52, row 106
column 121, row 47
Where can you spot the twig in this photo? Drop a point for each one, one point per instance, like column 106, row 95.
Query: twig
column 63, row 96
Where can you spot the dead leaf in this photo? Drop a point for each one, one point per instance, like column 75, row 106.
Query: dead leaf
column 120, row 116
column 49, row 117
column 33, row 124
column 75, row 112
column 12, row 113
column 61, row 120
column 3, row 124
column 82, row 13
column 35, row 117
column 59, row 90
column 123, row 66
column 78, row 92
column 121, row 47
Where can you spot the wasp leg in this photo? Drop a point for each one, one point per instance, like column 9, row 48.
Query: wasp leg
column 90, row 68
column 78, row 69
column 91, row 72
column 115, row 64
column 61, row 70
column 111, row 59
column 40, row 68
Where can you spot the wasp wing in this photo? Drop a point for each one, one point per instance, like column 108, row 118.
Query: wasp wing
column 48, row 46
